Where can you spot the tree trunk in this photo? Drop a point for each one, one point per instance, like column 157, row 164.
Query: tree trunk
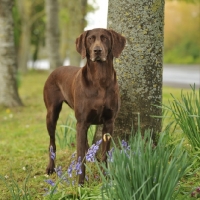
column 8, row 90
column 74, row 27
column 52, row 33
column 139, row 68
column 24, row 50
column 24, row 7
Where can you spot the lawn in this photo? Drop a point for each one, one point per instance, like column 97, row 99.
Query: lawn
column 24, row 139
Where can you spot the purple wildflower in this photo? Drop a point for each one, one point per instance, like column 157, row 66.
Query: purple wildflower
column 53, row 155
column 125, row 148
column 90, row 156
column 125, row 145
column 110, row 153
column 74, row 154
column 98, row 142
column 78, row 166
column 58, row 171
column 50, row 182
column 70, row 169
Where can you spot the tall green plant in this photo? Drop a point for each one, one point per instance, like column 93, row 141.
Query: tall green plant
column 144, row 172
column 186, row 113
column 66, row 136
column 16, row 191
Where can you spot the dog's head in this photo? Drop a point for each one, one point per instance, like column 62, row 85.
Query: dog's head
column 98, row 43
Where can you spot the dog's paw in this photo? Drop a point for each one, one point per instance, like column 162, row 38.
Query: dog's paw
column 50, row 169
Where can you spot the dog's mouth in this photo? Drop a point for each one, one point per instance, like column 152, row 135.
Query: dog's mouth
column 98, row 59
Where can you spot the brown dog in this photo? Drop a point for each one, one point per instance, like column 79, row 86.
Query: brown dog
column 92, row 91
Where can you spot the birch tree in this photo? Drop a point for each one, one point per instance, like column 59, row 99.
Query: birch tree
column 74, row 13
column 8, row 84
column 24, row 7
column 52, row 33
column 27, row 17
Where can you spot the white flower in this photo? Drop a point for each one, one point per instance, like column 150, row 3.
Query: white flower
column 6, row 176
column 24, row 168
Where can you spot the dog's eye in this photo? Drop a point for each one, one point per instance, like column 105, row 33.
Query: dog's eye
column 91, row 38
column 104, row 38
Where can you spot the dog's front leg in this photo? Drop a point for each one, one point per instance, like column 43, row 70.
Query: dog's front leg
column 107, row 129
column 81, row 139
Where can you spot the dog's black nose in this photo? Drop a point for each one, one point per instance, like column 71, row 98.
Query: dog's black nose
column 97, row 49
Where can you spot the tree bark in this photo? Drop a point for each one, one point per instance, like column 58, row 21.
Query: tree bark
column 24, row 50
column 74, row 27
column 24, row 7
column 52, row 33
column 139, row 68
column 8, row 85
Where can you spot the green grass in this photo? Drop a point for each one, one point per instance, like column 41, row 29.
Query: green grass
column 24, row 140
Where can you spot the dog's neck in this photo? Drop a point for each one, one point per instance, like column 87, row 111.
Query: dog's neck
column 100, row 73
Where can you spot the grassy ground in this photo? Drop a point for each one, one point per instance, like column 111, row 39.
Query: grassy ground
column 24, row 139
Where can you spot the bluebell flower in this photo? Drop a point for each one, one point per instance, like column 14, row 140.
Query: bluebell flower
column 125, row 145
column 70, row 169
column 78, row 166
column 125, row 148
column 74, row 154
column 58, row 171
column 52, row 154
column 50, row 182
column 110, row 154
column 90, row 156
column 98, row 142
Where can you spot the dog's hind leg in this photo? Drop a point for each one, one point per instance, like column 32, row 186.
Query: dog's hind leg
column 51, row 121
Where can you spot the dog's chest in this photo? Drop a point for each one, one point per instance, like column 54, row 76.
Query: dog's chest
column 102, row 109
column 98, row 115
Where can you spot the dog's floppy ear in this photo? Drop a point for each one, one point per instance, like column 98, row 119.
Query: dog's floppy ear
column 80, row 44
column 118, row 43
